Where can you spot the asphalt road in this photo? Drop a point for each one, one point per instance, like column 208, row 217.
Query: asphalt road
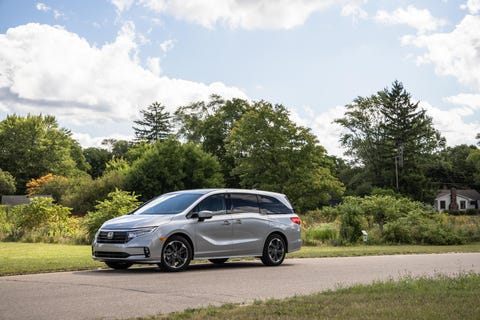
column 111, row 294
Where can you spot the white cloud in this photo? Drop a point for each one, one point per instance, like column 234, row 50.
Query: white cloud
column 470, row 100
column 456, row 53
column 473, row 6
column 167, row 45
column 452, row 125
column 86, row 140
column 422, row 20
column 354, row 9
column 323, row 127
column 51, row 70
column 42, row 7
column 122, row 5
column 259, row 14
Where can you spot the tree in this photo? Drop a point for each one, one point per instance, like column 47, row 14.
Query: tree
column 273, row 153
column 155, row 124
column 116, row 204
column 452, row 168
column 393, row 139
column 118, row 148
column 209, row 124
column 34, row 145
column 7, row 183
column 170, row 165
column 97, row 158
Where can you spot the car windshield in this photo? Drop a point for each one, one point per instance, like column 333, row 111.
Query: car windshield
column 171, row 203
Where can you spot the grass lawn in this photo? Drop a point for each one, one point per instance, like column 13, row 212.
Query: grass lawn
column 24, row 258
column 427, row 298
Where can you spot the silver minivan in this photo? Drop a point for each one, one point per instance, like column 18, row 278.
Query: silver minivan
column 213, row 224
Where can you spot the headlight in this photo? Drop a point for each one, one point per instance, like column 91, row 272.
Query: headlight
column 132, row 234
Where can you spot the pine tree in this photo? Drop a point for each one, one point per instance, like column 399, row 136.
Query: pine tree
column 155, row 124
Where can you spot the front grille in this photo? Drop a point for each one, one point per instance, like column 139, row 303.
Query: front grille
column 112, row 237
column 105, row 254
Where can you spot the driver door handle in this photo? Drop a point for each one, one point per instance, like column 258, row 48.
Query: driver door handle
column 226, row 223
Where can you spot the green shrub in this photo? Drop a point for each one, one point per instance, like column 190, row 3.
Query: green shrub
column 419, row 227
column 321, row 233
column 118, row 203
column 472, row 212
column 40, row 221
column 352, row 222
column 5, row 223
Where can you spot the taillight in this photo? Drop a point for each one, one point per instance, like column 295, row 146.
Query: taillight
column 295, row 220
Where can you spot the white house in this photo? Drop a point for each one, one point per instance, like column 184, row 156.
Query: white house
column 453, row 199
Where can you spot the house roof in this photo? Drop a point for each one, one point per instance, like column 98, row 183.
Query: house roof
column 465, row 193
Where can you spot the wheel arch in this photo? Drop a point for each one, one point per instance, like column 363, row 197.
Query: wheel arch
column 284, row 238
column 187, row 237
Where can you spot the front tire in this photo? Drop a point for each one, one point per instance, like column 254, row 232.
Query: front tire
column 274, row 250
column 119, row 265
column 176, row 254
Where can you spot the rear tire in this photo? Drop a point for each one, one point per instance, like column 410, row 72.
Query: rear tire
column 176, row 254
column 218, row 261
column 274, row 250
column 119, row 265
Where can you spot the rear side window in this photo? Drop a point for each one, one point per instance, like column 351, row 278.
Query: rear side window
column 271, row 205
column 241, row 203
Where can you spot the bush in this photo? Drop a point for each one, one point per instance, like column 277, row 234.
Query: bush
column 7, row 183
column 420, row 228
column 41, row 221
column 322, row 233
column 118, row 203
column 352, row 222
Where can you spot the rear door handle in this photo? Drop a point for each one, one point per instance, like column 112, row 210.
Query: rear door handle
column 226, row 223
column 238, row 221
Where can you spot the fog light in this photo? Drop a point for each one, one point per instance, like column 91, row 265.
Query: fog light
column 146, row 251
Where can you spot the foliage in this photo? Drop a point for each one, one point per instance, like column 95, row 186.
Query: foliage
column 33, row 146
column 7, row 183
column 83, row 192
column 170, row 165
column 273, row 153
column 116, row 204
column 40, row 221
column 209, row 124
column 154, row 125
column 323, row 233
column 97, row 158
column 386, row 133
column 393, row 219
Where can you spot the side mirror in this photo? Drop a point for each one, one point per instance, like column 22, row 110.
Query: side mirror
column 204, row 214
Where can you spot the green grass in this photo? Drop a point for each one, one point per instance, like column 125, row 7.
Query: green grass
column 24, row 258
column 426, row 298
column 370, row 250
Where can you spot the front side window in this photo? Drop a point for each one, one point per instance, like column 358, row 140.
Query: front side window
column 243, row 203
column 271, row 205
column 170, row 203
column 215, row 204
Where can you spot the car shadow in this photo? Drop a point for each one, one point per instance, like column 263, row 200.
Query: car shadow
column 195, row 267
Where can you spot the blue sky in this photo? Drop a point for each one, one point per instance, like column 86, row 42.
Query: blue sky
column 96, row 64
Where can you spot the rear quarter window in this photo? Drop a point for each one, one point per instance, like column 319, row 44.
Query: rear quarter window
column 271, row 205
column 243, row 203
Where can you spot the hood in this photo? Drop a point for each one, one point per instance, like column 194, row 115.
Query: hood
column 137, row 221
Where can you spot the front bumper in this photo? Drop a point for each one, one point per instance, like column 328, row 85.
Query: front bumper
column 139, row 250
